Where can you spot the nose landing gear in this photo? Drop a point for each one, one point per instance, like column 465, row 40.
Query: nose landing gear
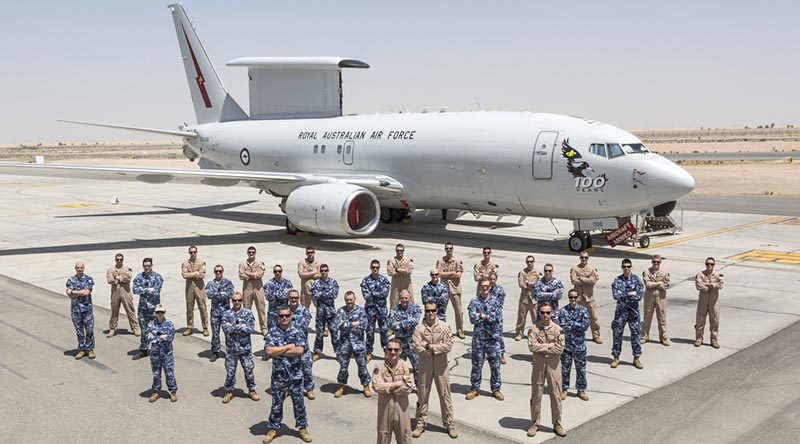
column 580, row 240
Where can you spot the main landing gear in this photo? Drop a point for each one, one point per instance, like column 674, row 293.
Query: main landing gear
column 580, row 240
column 389, row 215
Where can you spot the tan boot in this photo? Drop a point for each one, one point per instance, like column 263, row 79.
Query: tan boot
column 367, row 392
column 643, row 339
column 532, row 430
column 498, row 395
column 311, row 395
column 518, row 337
column 452, row 432
column 206, row 332
column 326, row 333
column 418, row 431
column 582, row 395
column 597, row 339
column 461, row 334
column 137, row 333
column 637, row 363
column 80, row 355
column 615, row 362
column 111, row 333
column 698, row 342
column 254, row 395
column 173, row 397
column 564, row 394
column 227, row 398
column 714, row 343
column 339, row 391
column 369, row 357
column 559, row 430
column 472, row 394
column 188, row 331
column 154, row 397
column 665, row 342
column 91, row 354
column 304, row 435
column 269, row 437
column 503, row 359
column 315, row 357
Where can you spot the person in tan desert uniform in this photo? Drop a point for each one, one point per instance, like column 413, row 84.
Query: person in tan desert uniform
column 251, row 272
column 120, row 276
column 526, row 279
column 546, row 342
column 308, row 270
column 433, row 340
column 708, row 282
column 194, row 271
column 400, row 269
column 450, row 271
column 484, row 268
column 656, row 282
column 584, row 277
column 393, row 380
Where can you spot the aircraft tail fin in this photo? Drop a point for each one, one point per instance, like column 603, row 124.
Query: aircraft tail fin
column 212, row 103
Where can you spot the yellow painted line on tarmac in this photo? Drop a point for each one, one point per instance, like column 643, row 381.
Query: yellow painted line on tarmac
column 771, row 220
column 792, row 221
column 769, row 256
column 77, row 205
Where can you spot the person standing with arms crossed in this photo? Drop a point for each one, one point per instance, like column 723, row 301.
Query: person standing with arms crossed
column 584, row 277
column 251, row 272
column 308, row 270
column 627, row 290
column 574, row 321
column 526, row 279
column 375, row 291
column 119, row 277
column 656, row 282
column 393, row 380
column 450, row 270
column 160, row 332
column 546, row 342
column 238, row 324
column 483, row 269
column 193, row 271
column 708, row 283
column 219, row 290
column 79, row 291
column 147, row 285
column 400, row 269
column 433, row 340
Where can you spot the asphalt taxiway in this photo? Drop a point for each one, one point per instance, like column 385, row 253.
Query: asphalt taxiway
column 48, row 224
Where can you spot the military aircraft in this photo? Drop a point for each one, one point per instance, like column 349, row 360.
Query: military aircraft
column 342, row 174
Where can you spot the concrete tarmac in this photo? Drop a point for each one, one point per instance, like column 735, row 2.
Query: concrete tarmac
column 48, row 224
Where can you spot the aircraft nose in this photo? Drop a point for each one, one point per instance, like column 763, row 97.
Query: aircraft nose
column 672, row 183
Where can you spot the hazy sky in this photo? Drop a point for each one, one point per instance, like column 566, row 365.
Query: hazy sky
column 636, row 64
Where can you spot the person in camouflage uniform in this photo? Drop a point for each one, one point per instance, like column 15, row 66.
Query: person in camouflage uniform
column 147, row 285
column 301, row 318
column 324, row 292
column 285, row 344
column 548, row 289
column 436, row 291
column 276, row 290
column 574, row 320
column 159, row 333
column 403, row 320
column 499, row 294
column 627, row 289
column 238, row 323
column 79, row 291
column 375, row 290
column 487, row 341
column 219, row 290
column 349, row 324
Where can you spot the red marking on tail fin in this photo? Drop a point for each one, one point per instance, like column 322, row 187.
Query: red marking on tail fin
column 201, row 83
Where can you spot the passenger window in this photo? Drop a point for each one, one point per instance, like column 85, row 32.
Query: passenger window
column 598, row 148
column 322, row 149
column 316, row 147
column 614, row 150
column 339, row 149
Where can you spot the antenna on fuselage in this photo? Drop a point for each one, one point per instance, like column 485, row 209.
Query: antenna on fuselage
column 480, row 107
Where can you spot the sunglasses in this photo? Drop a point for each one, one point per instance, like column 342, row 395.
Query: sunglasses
column 626, row 266
column 709, row 263
column 323, row 271
column 399, row 251
column 431, row 311
column 118, row 260
column 217, row 271
column 236, row 300
column 545, row 313
column 392, row 349
column 658, row 262
column 192, row 252
column 573, row 297
column 251, row 252
column 528, row 262
column 277, row 271
column 284, row 316
column 448, row 249
column 375, row 267
column 548, row 271
column 434, row 275
column 160, row 312
column 487, row 252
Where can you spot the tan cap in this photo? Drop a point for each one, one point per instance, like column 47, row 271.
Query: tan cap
column 160, row 308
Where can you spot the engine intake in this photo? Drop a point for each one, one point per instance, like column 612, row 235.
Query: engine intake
column 335, row 208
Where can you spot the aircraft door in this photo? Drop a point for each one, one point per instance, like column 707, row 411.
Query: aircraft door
column 543, row 154
column 347, row 153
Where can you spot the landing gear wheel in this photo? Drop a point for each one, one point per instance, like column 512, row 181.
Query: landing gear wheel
column 644, row 241
column 291, row 228
column 577, row 242
column 399, row 214
column 589, row 241
column 386, row 215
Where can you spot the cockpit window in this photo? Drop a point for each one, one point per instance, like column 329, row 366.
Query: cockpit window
column 598, row 148
column 634, row 148
column 614, row 150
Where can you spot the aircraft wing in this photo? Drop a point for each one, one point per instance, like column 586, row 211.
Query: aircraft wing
column 276, row 182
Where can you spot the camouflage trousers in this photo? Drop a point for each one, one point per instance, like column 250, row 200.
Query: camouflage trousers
column 343, row 356
column 625, row 314
column 216, row 324
column 166, row 361
column 83, row 320
column 145, row 316
column 376, row 314
column 410, row 355
column 232, row 359
column 578, row 355
column 283, row 381
column 483, row 349
column 308, row 377
column 325, row 315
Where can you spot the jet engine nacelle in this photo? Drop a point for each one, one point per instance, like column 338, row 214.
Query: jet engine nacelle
column 334, row 208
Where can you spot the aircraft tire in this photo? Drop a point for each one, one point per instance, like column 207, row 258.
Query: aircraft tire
column 644, row 241
column 387, row 215
column 577, row 242
column 291, row 229
column 589, row 242
column 398, row 214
